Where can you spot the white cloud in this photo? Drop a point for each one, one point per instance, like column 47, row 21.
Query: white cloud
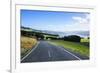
column 80, row 23
column 81, row 20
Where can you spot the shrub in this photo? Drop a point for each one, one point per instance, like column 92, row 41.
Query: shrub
column 73, row 38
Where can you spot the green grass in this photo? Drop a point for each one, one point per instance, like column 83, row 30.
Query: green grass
column 85, row 40
column 72, row 46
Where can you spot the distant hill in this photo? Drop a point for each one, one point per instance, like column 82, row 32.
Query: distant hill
column 38, row 31
column 61, row 34
column 67, row 33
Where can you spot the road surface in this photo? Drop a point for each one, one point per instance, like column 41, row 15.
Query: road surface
column 45, row 51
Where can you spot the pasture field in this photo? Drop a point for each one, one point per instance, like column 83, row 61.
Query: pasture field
column 72, row 46
column 85, row 41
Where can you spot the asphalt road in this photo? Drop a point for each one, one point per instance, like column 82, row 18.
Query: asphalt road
column 45, row 51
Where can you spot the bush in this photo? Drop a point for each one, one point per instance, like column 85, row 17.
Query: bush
column 73, row 38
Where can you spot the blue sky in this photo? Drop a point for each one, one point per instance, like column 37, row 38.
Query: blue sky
column 55, row 21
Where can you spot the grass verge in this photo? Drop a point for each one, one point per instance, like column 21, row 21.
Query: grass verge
column 72, row 46
column 85, row 41
column 27, row 44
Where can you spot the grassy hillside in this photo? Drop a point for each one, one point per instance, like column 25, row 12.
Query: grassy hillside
column 85, row 41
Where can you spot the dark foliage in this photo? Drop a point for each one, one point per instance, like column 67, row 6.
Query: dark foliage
column 73, row 38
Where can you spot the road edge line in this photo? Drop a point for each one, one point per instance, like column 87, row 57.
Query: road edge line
column 72, row 54
column 68, row 52
column 30, row 51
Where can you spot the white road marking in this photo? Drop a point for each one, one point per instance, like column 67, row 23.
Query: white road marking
column 69, row 53
column 72, row 54
column 31, row 51
column 49, row 54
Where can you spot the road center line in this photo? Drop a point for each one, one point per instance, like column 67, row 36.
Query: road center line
column 49, row 54
column 69, row 53
column 30, row 51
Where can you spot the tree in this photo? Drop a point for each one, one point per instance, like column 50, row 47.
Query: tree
column 39, row 36
column 73, row 38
